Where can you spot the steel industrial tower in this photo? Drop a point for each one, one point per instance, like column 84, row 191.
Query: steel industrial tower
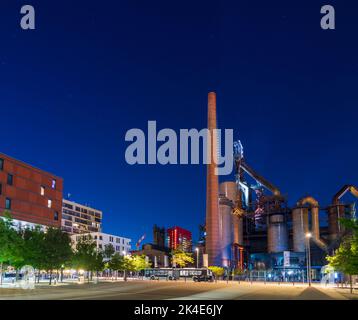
column 213, row 248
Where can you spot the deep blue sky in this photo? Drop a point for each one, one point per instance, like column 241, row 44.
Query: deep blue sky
column 94, row 69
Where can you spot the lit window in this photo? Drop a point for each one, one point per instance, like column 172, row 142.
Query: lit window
column 49, row 203
column 53, row 185
column 8, row 203
column 42, row 190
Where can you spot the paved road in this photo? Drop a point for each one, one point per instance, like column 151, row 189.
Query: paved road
column 148, row 290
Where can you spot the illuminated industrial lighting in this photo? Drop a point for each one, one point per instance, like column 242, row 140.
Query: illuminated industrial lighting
column 308, row 235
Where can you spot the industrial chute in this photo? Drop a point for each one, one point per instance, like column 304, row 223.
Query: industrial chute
column 315, row 225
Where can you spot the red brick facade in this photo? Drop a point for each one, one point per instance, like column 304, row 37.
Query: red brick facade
column 27, row 202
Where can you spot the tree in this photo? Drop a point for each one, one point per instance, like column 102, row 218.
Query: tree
column 217, row 271
column 345, row 258
column 116, row 263
column 181, row 258
column 10, row 244
column 87, row 257
column 55, row 250
column 140, row 262
column 32, row 250
column 108, row 251
column 97, row 263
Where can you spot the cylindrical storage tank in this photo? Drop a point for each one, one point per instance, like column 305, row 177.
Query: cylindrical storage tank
column 225, row 229
column 335, row 212
column 277, row 238
column 315, row 222
column 300, row 228
column 229, row 190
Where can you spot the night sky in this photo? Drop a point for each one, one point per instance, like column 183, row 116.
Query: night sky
column 91, row 70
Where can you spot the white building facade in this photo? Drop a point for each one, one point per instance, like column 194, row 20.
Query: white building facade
column 79, row 218
column 121, row 245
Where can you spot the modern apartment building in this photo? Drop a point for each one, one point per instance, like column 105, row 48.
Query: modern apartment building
column 121, row 245
column 79, row 218
column 178, row 237
column 32, row 196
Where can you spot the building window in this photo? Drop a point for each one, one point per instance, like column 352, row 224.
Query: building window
column 1, row 164
column 42, row 190
column 55, row 216
column 8, row 203
column 0, row 188
column 100, row 238
column 53, row 185
column 49, row 203
column 66, row 217
column 10, row 179
column 111, row 239
column 100, row 246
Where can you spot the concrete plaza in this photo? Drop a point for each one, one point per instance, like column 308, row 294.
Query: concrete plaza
column 177, row 290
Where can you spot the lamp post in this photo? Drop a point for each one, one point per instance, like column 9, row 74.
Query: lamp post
column 125, row 271
column 197, row 257
column 308, row 254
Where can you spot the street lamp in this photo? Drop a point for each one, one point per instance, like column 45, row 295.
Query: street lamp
column 308, row 256
column 197, row 257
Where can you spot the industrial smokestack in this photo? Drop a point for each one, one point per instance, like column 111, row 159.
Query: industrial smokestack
column 213, row 246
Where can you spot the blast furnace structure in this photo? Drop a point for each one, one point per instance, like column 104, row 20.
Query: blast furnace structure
column 249, row 225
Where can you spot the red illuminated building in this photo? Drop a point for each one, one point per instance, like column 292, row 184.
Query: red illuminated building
column 179, row 238
column 29, row 194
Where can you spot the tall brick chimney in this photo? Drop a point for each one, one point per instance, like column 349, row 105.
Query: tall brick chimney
column 213, row 248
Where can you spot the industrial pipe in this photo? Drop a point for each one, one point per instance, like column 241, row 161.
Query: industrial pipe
column 268, row 185
column 337, row 211
column 352, row 189
column 314, row 220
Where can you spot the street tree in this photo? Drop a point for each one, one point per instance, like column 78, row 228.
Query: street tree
column 116, row 263
column 108, row 251
column 11, row 244
column 56, row 250
column 345, row 258
column 217, row 271
column 87, row 257
column 32, row 250
column 181, row 258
